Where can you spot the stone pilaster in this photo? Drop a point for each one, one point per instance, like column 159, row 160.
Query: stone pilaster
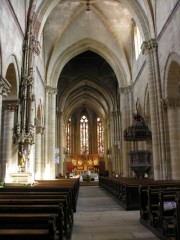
column 155, row 95
column 38, row 152
column 125, row 106
column 50, row 126
column 61, row 142
column 4, row 91
column 116, row 142
column 9, row 149
column 173, row 107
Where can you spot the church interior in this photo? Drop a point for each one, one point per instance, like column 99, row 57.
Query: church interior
column 90, row 89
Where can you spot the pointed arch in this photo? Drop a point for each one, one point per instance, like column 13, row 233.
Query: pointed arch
column 94, row 46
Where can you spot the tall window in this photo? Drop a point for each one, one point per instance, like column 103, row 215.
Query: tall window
column 68, row 137
column 100, row 137
column 84, row 137
column 137, row 41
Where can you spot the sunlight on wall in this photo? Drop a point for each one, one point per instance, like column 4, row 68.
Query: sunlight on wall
column 46, row 174
column 137, row 41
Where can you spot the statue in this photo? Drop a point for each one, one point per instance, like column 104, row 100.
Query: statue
column 21, row 161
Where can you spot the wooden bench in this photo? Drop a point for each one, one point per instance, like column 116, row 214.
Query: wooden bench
column 50, row 192
column 67, row 219
column 153, row 200
column 27, row 226
column 56, row 210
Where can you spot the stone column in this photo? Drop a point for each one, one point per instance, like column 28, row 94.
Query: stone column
column 150, row 50
column 173, row 107
column 9, row 149
column 38, row 153
column 112, row 129
column 116, row 141
column 119, row 137
column 4, row 91
column 52, row 131
column 46, row 143
column 61, row 143
column 124, row 94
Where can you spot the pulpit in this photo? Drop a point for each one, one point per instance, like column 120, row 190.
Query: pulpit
column 139, row 159
column 140, row 162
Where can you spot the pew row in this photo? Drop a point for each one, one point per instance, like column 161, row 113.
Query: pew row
column 32, row 226
column 23, row 199
column 159, row 210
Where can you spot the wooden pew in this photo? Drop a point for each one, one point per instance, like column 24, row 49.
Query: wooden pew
column 169, row 212
column 56, row 210
column 43, row 193
column 68, row 222
column 154, row 198
column 45, row 188
column 31, row 226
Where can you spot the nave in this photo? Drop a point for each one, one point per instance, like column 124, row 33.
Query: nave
column 99, row 217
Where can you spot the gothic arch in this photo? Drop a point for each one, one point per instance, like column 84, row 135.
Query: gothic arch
column 13, row 76
column 171, row 105
column 82, row 46
column 171, row 77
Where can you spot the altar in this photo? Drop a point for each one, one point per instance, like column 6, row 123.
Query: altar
column 78, row 164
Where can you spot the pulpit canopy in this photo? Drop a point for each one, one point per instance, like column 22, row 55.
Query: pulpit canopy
column 139, row 131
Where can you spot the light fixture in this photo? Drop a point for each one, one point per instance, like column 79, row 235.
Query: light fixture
column 87, row 6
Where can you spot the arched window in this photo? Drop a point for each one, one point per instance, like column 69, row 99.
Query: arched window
column 100, row 137
column 68, row 137
column 84, row 136
column 137, row 41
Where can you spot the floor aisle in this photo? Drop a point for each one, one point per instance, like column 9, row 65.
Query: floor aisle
column 99, row 217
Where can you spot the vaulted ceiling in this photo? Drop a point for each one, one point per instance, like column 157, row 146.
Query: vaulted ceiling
column 88, row 48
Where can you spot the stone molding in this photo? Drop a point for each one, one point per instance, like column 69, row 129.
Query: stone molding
column 149, row 46
column 51, row 90
column 10, row 105
column 4, row 87
column 125, row 89
column 40, row 130
column 170, row 103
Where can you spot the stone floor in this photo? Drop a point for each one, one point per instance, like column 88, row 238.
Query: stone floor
column 99, row 217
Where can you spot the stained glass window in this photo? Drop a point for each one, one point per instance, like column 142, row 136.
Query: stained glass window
column 84, row 137
column 100, row 137
column 68, row 137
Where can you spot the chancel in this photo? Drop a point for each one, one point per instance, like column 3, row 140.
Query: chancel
column 89, row 95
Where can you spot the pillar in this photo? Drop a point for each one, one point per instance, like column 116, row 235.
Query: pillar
column 50, row 129
column 174, row 136
column 125, row 119
column 4, row 91
column 9, row 150
column 155, row 95
column 38, row 153
column 61, row 144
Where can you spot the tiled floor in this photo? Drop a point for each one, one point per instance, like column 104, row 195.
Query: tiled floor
column 99, row 217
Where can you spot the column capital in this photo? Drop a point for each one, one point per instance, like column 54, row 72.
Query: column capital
column 51, row 90
column 10, row 104
column 125, row 89
column 170, row 103
column 4, row 86
column 40, row 129
column 149, row 46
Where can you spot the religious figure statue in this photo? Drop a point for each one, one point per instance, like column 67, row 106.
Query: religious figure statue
column 21, row 161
